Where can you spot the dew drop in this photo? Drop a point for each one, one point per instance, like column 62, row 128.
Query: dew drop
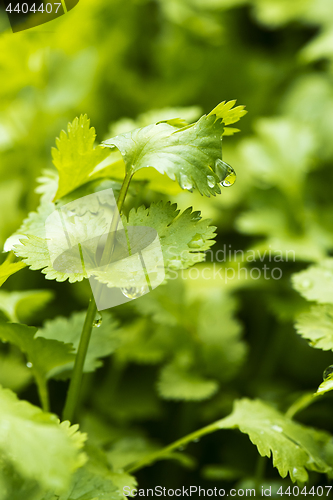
column 196, row 242
column 133, row 292
column 226, row 173
column 185, row 182
column 328, row 372
column 211, row 181
column 196, row 440
column 29, row 365
column 277, row 428
column 181, row 448
column 98, row 321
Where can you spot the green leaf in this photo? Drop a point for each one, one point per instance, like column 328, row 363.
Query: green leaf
column 14, row 374
column 187, row 154
column 325, row 386
column 317, row 326
column 316, row 282
column 281, row 154
column 188, row 114
column 75, row 157
column 36, row 445
column 129, row 449
column 21, row 306
column 295, row 448
column 88, row 485
column 32, row 242
column 192, row 324
column 177, row 383
column 104, row 339
column 183, row 238
column 46, row 356
column 143, row 342
column 283, row 238
column 8, row 268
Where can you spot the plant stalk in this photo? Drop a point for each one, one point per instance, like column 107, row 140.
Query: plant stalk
column 176, row 445
column 73, row 393
column 42, row 391
column 76, row 380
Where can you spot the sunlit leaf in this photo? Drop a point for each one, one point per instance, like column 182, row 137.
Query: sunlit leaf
column 104, row 339
column 187, row 154
column 46, row 356
column 7, row 269
column 33, row 441
column 180, row 384
column 317, row 326
column 316, row 282
column 75, row 156
column 294, row 448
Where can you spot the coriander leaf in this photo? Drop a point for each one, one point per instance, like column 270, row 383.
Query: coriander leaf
column 23, row 305
column 183, row 238
column 14, row 374
column 317, row 326
column 129, row 449
column 188, row 114
column 187, row 154
column 143, row 342
column 177, row 383
column 294, row 447
column 33, row 243
column 104, row 340
column 316, row 282
column 88, row 485
column 8, row 268
column 46, row 356
column 75, row 156
column 325, row 386
column 281, row 154
column 36, row 445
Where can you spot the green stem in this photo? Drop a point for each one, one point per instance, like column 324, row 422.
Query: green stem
column 300, row 404
column 107, row 252
column 76, row 380
column 179, row 444
column 42, row 391
column 260, row 473
column 75, row 384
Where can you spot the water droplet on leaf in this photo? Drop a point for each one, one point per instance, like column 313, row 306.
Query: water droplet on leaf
column 226, row 173
column 98, row 321
column 133, row 292
column 196, row 216
column 29, row 365
column 277, row 428
column 196, row 242
column 185, row 182
column 328, row 372
column 211, row 181
column 196, row 440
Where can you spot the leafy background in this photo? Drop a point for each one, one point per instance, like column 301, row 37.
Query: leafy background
column 183, row 354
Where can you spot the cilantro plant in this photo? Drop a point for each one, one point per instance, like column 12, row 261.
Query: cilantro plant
column 175, row 327
column 190, row 154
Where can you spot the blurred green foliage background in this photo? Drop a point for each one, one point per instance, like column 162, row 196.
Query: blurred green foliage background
column 125, row 64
